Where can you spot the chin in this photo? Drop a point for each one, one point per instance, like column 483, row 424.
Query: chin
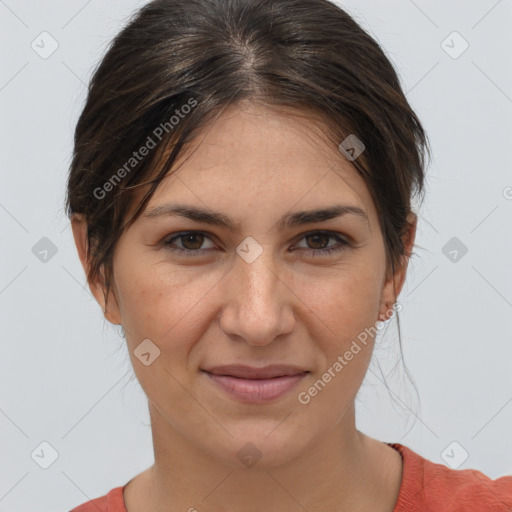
column 263, row 445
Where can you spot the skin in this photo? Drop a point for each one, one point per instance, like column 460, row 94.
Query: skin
column 254, row 165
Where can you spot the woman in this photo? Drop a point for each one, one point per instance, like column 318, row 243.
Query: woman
column 240, row 197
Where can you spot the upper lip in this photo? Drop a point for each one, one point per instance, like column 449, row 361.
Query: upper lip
column 251, row 372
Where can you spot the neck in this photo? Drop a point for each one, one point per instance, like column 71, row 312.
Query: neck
column 346, row 471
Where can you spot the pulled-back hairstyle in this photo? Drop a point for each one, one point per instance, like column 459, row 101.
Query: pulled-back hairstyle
column 179, row 64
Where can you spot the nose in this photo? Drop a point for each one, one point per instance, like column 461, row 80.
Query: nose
column 258, row 303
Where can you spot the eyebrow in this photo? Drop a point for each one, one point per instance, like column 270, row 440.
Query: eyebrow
column 286, row 221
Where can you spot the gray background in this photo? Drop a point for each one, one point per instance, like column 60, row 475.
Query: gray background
column 65, row 376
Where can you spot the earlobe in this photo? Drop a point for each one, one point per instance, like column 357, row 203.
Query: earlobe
column 384, row 316
column 79, row 228
column 410, row 236
column 408, row 243
column 394, row 283
column 111, row 312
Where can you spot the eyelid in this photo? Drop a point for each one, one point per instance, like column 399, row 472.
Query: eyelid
column 343, row 241
column 328, row 232
column 169, row 240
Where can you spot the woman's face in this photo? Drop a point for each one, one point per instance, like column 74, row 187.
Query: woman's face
column 256, row 294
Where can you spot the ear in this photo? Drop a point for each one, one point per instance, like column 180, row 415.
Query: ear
column 394, row 283
column 79, row 227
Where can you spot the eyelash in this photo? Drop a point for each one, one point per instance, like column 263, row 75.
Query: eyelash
column 313, row 252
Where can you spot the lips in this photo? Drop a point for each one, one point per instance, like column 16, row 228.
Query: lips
column 253, row 385
column 251, row 372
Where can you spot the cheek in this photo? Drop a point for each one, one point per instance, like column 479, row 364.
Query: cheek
column 160, row 303
column 347, row 299
column 348, row 305
column 166, row 308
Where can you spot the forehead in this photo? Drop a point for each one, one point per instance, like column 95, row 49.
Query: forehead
column 253, row 157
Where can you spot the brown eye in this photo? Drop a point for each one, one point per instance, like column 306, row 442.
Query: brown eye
column 317, row 243
column 319, row 240
column 192, row 242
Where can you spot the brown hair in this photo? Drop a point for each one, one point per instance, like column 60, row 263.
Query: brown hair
column 178, row 64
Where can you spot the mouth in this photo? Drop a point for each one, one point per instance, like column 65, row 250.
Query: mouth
column 256, row 385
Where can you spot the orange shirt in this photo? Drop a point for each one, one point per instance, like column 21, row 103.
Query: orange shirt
column 426, row 487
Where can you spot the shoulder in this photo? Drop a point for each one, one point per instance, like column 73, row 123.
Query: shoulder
column 427, row 486
column 111, row 502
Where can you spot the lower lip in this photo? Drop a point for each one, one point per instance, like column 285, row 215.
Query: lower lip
column 256, row 391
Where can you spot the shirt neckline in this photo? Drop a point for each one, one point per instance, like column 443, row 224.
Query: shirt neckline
column 115, row 498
